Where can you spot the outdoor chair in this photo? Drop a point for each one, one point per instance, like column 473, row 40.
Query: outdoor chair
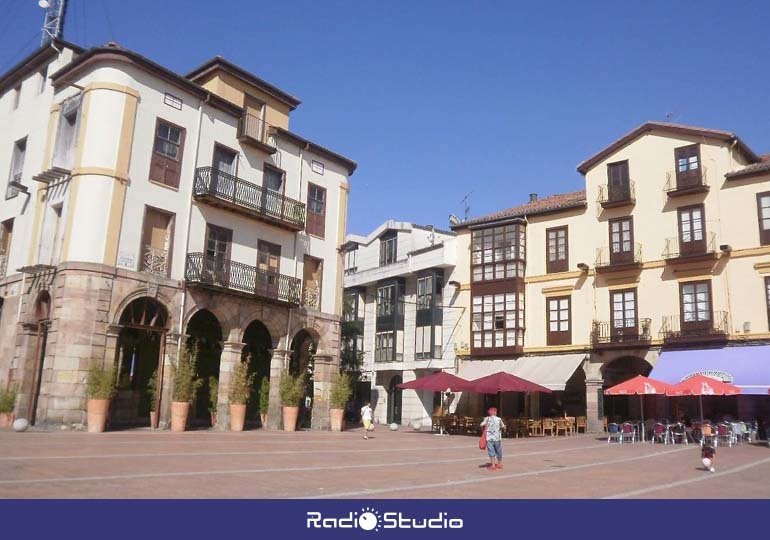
column 535, row 426
column 628, row 432
column 725, row 434
column 707, row 435
column 659, row 433
column 581, row 423
column 737, row 431
column 679, row 433
column 549, row 425
column 571, row 424
column 561, row 426
column 614, row 432
column 435, row 423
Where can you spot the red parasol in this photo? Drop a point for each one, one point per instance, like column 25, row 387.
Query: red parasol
column 641, row 386
column 437, row 382
column 700, row 385
column 505, row 382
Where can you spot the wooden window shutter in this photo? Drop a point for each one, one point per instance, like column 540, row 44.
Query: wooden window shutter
column 163, row 169
column 316, row 220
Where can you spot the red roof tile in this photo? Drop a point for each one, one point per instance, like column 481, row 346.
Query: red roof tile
column 551, row 203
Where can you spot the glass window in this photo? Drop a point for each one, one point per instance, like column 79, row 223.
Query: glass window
column 167, row 140
column 498, row 320
column 696, row 302
column 559, row 321
column 492, row 248
column 317, row 197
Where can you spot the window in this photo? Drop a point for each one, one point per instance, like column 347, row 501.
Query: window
column 556, row 249
column 268, row 257
column 767, row 298
column 218, row 241
column 621, row 240
column 167, row 151
column 384, row 346
column 157, row 238
column 350, row 260
column 17, row 166
column 623, row 310
column 688, row 171
column 67, row 133
column 42, row 79
column 763, row 209
column 272, row 179
column 16, row 97
column 695, row 302
column 618, row 181
column 428, row 341
column 6, row 233
column 353, row 308
column 388, row 248
column 316, row 210
column 425, row 292
column 559, row 321
column 498, row 253
column 692, row 235
column 498, row 321
column 386, row 300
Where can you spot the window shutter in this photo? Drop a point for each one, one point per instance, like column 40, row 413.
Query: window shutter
column 164, row 169
column 316, row 222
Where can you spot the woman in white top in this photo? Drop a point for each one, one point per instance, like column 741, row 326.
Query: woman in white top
column 366, row 418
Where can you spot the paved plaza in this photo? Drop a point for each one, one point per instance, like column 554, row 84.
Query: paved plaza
column 403, row 464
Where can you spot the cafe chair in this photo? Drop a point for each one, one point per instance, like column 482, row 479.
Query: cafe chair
column 614, row 432
column 581, row 423
column 679, row 433
column 725, row 434
column 659, row 433
column 549, row 425
column 628, row 432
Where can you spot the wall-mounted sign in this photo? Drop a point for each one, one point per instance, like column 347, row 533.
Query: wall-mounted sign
column 126, row 260
column 713, row 373
column 317, row 167
column 172, row 101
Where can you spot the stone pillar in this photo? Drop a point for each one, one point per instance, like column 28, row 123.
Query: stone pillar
column 594, row 410
column 170, row 357
column 275, row 408
column 230, row 357
column 23, row 374
column 324, row 369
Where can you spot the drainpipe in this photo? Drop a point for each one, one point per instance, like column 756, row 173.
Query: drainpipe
column 189, row 215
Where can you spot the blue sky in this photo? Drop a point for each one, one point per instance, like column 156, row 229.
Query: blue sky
column 438, row 99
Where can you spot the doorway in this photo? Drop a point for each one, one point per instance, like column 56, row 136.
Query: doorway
column 204, row 336
column 257, row 351
column 303, row 347
column 394, row 400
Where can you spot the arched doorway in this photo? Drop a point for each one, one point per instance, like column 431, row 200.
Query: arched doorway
column 204, row 335
column 619, row 408
column 257, row 351
column 42, row 317
column 303, row 347
column 394, row 400
column 144, row 323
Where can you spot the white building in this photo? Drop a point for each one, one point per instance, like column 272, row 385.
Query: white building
column 398, row 281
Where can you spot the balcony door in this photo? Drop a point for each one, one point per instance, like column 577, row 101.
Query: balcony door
column 156, row 242
column 216, row 265
column 688, row 169
column 268, row 269
column 692, row 232
column 254, row 125
column 311, row 283
column 696, row 308
column 619, row 185
column 622, row 240
column 224, row 166
column 625, row 321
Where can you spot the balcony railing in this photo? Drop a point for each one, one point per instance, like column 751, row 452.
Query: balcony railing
column 606, row 259
column 241, row 278
column 155, row 261
column 613, row 196
column 674, row 329
column 311, row 298
column 254, row 130
column 3, row 264
column 604, row 334
column 676, row 249
column 686, row 183
column 223, row 189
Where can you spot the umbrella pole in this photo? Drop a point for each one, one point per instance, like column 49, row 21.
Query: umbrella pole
column 641, row 405
column 700, row 402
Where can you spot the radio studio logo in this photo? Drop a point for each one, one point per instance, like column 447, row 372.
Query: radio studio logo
column 370, row 519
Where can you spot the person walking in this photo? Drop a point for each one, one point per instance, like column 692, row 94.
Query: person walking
column 495, row 426
column 366, row 418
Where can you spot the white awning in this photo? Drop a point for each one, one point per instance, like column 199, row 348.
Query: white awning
column 553, row 371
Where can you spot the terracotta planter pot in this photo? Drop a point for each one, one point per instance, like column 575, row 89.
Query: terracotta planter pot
column 237, row 417
column 336, row 417
column 153, row 419
column 213, row 418
column 263, row 420
column 98, row 410
column 179, row 413
column 6, row 419
column 290, row 415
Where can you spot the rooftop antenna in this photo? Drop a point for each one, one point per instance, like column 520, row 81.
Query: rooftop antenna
column 53, row 25
column 466, row 206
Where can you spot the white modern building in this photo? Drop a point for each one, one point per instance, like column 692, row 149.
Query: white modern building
column 399, row 288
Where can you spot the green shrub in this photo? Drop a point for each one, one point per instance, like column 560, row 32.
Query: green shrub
column 7, row 399
column 100, row 383
column 264, row 395
column 213, row 393
column 152, row 391
column 292, row 389
column 241, row 385
column 340, row 392
column 186, row 381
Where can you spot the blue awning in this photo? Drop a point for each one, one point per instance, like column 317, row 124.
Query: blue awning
column 747, row 366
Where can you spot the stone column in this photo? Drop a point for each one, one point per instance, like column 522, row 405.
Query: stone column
column 170, row 357
column 23, row 372
column 275, row 409
column 594, row 412
column 230, row 357
column 324, row 369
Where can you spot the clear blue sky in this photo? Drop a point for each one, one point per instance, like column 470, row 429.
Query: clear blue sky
column 436, row 99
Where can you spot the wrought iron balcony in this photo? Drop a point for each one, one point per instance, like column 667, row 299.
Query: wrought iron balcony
column 155, row 261
column 678, row 251
column 615, row 196
column 242, row 279
column 674, row 330
column 679, row 184
column 255, row 131
column 608, row 260
column 605, row 335
column 227, row 191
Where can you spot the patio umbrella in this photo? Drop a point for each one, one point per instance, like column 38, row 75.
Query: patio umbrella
column 504, row 382
column 641, row 386
column 700, row 385
column 438, row 382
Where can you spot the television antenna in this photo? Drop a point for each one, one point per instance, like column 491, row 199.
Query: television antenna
column 466, row 206
column 53, row 24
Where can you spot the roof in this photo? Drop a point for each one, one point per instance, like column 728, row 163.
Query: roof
column 390, row 225
column 114, row 52
column 677, row 129
column 219, row 63
column 755, row 169
column 349, row 164
column 35, row 61
column 552, row 203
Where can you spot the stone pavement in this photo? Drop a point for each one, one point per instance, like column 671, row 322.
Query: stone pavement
column 403, row 464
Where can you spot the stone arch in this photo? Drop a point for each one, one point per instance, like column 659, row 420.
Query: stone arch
column 205, row 337
column 162, row 299
column 258, row 353
column 225, row 312
column 274, row 321
column 315, row 330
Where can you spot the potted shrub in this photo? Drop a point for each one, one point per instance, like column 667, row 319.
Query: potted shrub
column 339, row 394
column 7, row 403
column 264, row 400
column 213, row 399
column 186, row 385
column 292, row 390
column 240, row 392
column 100, row 389
column 152, row 396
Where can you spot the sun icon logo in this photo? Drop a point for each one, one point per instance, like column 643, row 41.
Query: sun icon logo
column 369, row 520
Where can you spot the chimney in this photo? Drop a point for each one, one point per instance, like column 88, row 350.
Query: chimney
column 532, row 197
